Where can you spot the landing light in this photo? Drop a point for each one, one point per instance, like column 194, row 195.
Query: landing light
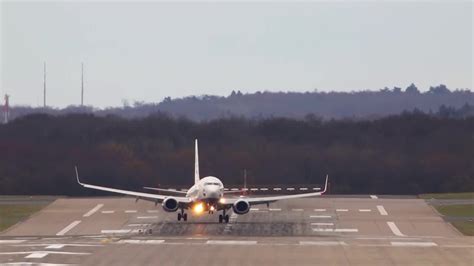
column 212, row 208
column 198, row 208
column 222, row 200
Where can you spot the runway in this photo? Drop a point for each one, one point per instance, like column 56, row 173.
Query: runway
column 364, row 230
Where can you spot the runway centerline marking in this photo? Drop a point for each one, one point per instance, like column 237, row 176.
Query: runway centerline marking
column 323, row 243
column 297, row 210
column 231, row 242
column 254, row 209
column 382, row 210
column 337, row 230
column 16, row 241
column 342, row 210
column 93, row 210
column 277, row 189
column 274, row 209
column 290, row 188
column 365, row 210
column 147, row 217
column 413, row 244
column 152, row 211
column 68, row 228
column 394, row 229
column 130, row 211
column 138, row 225
column 107, row 212
column 320, row 216
column 139, row 241
column 119, row 231
column 322, row 224
column 319, row 210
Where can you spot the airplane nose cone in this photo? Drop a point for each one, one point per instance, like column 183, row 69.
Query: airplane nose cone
column 213, row 193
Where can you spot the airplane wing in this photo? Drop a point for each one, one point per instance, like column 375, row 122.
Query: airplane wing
column 269, row 199
column 166, row 190
column 146, row 196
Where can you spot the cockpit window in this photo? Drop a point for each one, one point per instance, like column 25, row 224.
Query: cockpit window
column 211, row 183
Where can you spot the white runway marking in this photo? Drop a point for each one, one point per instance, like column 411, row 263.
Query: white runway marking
column 330, row 224
column 277, row 189
column 342, row 210
column 319, row 210
column 254, row 189
column 17, row 241
column 297, row 210
column 93, row 210
column 320, row 216
column 303, row 188
column 337, row 230
column 365, row 210
column 264, row 189
column 36, row 255
column 37, row 264
column 152, row 211
column 138, row 241
column 274, row 210
column 254, row 209
column 290, row 188
column 130, row 211
column 373, row 197
column 68, row 228
column 147, row 217
column 316, row 188
column 413, row 244
column 231, row 242
column 232, row 219
column 234, row 189
column 394, row 229
column 120, row 231
column 138, row 225
column 323, row 243
column 226, row 189
column 107, row 212
column 55, row 246
column 382, row 210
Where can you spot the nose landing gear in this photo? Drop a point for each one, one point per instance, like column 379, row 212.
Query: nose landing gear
column 223, row 217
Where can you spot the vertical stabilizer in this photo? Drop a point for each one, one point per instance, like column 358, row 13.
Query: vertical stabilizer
column 196, row 162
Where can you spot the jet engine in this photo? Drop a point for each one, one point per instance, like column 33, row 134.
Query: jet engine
column 170, row 204
column 241, row 207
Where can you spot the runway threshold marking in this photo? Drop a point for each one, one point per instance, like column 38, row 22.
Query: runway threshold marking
column 231, row 242
column 13, row 241
column 320, row 216
column 382, row 210
column 394, row 229
column 68, row 228
column 413, row 244
column 93, row 210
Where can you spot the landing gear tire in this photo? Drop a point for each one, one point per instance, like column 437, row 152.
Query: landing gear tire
column 220, row 218
column 179, row 217
column 226, row 219
column 185, row 217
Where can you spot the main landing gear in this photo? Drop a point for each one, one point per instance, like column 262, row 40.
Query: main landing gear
column 223, row 217
column 182, row 215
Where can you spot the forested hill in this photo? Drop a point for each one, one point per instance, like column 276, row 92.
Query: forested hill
column 403, row 154
column 327, row 105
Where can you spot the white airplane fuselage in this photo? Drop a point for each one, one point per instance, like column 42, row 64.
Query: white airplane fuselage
column 209, row 190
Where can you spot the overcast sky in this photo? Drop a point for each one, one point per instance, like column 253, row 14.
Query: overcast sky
column 147, row 51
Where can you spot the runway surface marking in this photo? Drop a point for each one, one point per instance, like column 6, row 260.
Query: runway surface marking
column 277, row 189
column 232, row 219
column 234, row 189
column 57, row 246
column 365, row 210
column 152, row 211
column 139, row 241
column 342, row 210
column 93, row 210
column 322, row 223
column 254, row 189
column 130, row 211
column 231, row 242
column 394, row 229
column 382, row 210
column 36, row 255
column 274, row 209
column 316, row 188
column 320, row 216
column 254, row 209
column 319, row 210
column 118, row 231
column 297, row 210
column 373, row 197
column 290, row 188
column 337, row 230
column 68, row 228
column 107, row 212
column 413, row 244
column 264, row 189
column 323, row 243
column 147, row 217
column 13, row 241
column 23, row 263
column 42, row 254
column 303, row 188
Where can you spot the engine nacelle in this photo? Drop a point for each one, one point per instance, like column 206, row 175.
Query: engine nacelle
column 241, row 207
column 170, row 204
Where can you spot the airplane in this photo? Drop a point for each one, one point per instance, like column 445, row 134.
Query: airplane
column 207, row 194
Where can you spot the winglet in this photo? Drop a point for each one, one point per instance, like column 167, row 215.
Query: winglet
column 77, row 176
column 325, row 185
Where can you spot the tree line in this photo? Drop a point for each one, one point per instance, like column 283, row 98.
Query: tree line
column 401, row 154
